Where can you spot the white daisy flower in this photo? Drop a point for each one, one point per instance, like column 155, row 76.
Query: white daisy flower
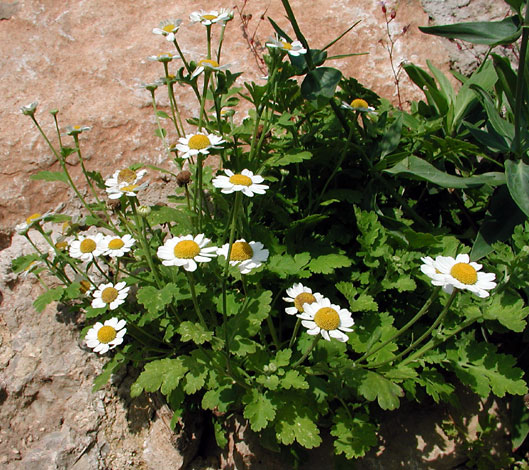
column 294, row 48
column 29, row 110
column 207, row 18
column 299, row 295
column 102, row 337
column 198, row 143
column 209, row 64
column 116, row 246
column 463, row 274
column 164, row 57
column 33, row 219
column 245, row 255
column 186, row 251
column 244, row 181
column 131, row 190
column 87, row 247
column 74, row 130
column 110, row 295
column 329, row 320
column 358, row 104
column 125, row 177
column 168, row 29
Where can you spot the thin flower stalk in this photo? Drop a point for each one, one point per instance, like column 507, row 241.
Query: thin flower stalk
column 191, row 282
column 158, row 123
column 424, row 309
column 425, row 335
column 174, row 107
column 301, row 360
column 81, row 160
column 61, row 161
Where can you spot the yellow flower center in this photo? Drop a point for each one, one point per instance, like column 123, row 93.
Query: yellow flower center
column 186, row 249
column 464, row 273
column 116, row 244
column 286, row 45
column 327, row 318
column 303, row 298
column 84, row 286
column 209, row 17
column 87, row 245
column 77, row 127
column 33, row 217
column 199, row 142
column 359, row 103
column 129, row 188
column 241, row 180
column 65, row 226
column 126, row 176
column 109, row 294
column 168, row 28
column 106, row 334
column 241, row 251
column 211, row 62
column 61, row 245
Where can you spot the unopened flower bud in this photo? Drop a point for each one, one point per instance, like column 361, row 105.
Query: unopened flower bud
column 29, row 110
column 144, row 211
column 393, row 14
column 183, row 178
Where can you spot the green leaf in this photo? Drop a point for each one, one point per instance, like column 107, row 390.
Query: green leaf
column 508, row 309
column 197, row 372
column 295, row 423
column 220, row 398
column 326, row 264
column 50, row 176
column 155, row 300
column 163, row 374
column 195, row 332
column 160, row 132
column 285, row 265
column 48, row 297
column 162, row 114
column 517, row 174
column 293, row 379
column 291, row 156
column 498, row 225
column 435, row 385
column 258, row 409
column 375, row 387
column 503, row 127
column 110, row 367
column 22, row 263
column 391, row 137
column 319, row 85
column 423, row 170
column 491, row 33
column 484, row 370
column 355, row 435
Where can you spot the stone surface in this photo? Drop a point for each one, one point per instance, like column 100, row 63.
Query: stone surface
column 88, row 58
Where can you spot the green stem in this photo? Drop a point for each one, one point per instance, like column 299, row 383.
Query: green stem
column 160, row 128
column 67, row 174
column 436, row 342
column 520, row 86
column 172, row 101
column 405, row 328
column 273, row 331
column 233, row 224
column 424, row 335
column 203, row 99
column 195, row 300
column 81, row 160
column 309, row 350
column 145, row 244
column 208, row 34
column 186, row 65
column 294, row 333
column 221, row 40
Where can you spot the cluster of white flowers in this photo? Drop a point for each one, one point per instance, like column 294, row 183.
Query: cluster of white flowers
column 458, row 273
column 318, row 314
column 88, row 247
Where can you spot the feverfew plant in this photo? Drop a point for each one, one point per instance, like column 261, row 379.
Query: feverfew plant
column 322, row 273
